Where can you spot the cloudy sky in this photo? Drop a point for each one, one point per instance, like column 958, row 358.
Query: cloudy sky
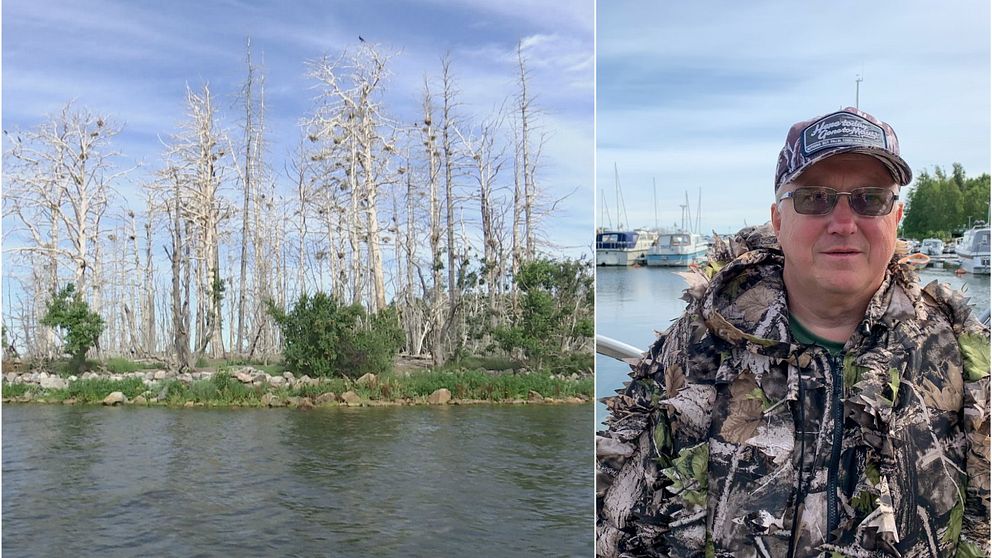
column 133, row 62
column 699, row 95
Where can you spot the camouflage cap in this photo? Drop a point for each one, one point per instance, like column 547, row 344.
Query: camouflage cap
column 846, row 131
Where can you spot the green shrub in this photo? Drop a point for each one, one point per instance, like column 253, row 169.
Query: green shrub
column 96, row 389
column 174, row 391
column 572, row 363
column 203, row 391
column 14, row 390
column 324, row 338
column 68, row 311
column 486, row 362
column 480, row 385
column 121, row 365
column 68, row 367
column 337, row 385
column 555, row 310
column 228, row 389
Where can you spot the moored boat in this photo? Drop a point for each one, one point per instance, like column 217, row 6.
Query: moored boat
column 973, row 249
column 623, row 248
column 677, row 249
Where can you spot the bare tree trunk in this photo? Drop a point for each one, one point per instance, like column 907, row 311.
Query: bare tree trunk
column 372, row 219
column 187, row 263
column 180, row 305
column 528, row 175
column 436, row 304
column 247, row 180
column 134, row 289
column 355, row 270
column 149, row 307
column 415, row 323
column 516, row 251
column 449, row 196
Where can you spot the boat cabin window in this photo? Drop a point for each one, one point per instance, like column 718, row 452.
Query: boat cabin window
column 981, row 241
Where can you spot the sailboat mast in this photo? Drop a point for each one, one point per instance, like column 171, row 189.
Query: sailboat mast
column 616, row 183
column 686, row 214
column 654, row 187
column 699, row 211
column 604, row 212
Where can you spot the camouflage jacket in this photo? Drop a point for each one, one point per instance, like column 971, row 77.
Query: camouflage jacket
column 729, row 429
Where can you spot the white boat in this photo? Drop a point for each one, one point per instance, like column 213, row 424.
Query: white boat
column 677, row 249
column 680, row 248
column 932, row 246
column 974, row 250
column 623, row 248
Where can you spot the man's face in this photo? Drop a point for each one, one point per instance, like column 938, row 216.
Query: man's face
column 841, row 253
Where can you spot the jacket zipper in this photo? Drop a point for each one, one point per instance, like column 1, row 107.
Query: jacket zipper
column 838, row 436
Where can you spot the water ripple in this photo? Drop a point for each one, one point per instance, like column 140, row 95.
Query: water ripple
column 371, row 482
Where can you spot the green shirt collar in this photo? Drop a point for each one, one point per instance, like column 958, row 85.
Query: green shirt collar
column 807, row 337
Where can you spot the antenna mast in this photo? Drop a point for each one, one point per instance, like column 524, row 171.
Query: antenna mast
column 857, row 91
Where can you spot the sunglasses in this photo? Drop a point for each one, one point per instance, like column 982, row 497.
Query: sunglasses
column 870, row 202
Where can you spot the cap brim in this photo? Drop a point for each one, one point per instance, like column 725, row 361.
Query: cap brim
column 898, row 168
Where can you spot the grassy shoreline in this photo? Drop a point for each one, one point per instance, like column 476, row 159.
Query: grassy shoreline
column 223, row 390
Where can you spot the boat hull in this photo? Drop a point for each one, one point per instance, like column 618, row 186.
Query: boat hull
column 975, row 263
column 608, row 257
column 675, row 260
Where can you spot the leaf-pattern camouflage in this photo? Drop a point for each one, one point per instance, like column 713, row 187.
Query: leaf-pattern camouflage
column 726, row 383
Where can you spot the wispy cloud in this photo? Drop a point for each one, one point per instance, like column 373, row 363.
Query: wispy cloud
column 701, row 95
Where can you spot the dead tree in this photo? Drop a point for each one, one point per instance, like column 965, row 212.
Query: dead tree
column 197, row 165
column 488, row 160
column 247, row 179
column 58, row 185
column 437, row 307
column 351, row 116
column 180, row 295
column 447, row 138
column 527, row 166
column 148, row 287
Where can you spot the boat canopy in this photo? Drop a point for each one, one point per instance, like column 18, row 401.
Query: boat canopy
column 616, row 240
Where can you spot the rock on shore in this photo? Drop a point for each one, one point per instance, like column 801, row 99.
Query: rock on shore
column 439, row 397
column 115, row 398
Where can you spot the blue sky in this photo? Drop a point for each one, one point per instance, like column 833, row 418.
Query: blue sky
column 133, row 60
column 701, row 94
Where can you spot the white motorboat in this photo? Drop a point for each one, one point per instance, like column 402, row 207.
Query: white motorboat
column 677, row 249
column 680, row 248
column 973, row 249
column 623, row 248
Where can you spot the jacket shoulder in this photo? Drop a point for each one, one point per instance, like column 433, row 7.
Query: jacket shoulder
column 949, row 304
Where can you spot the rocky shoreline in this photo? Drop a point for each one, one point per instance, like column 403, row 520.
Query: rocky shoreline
column 266, row 390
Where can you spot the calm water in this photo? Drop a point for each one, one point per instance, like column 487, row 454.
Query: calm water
column 632, row 303
column 396, row 481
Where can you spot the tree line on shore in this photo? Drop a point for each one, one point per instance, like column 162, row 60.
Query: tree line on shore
column 943, row 206
column 443, row 215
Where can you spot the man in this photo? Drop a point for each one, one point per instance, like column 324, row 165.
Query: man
column 813, row 399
